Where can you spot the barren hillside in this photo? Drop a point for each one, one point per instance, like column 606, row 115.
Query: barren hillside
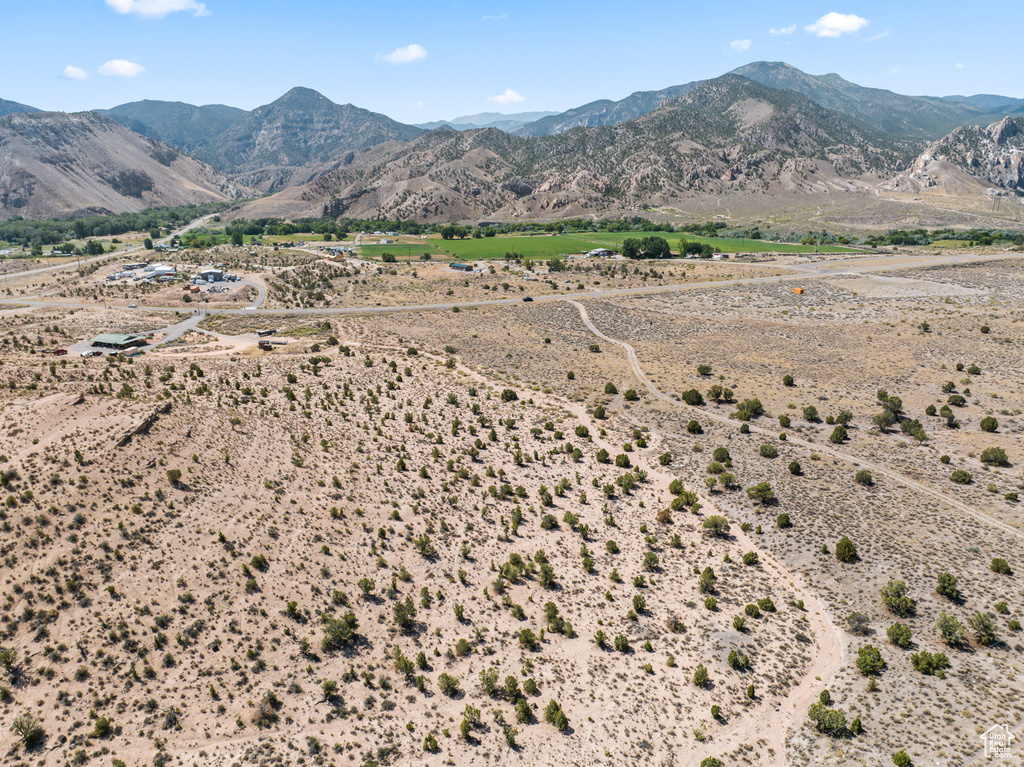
column 59, row 165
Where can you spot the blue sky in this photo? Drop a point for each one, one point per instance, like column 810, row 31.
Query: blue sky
column 417, row 61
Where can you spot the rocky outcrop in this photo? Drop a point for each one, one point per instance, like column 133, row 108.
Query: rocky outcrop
column 970, row 161
column 142, row 426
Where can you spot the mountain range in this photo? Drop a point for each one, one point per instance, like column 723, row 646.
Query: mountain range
column 765, row 127
column 725, row 135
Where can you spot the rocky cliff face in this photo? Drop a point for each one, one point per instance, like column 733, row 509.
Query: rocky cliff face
column 973, row 160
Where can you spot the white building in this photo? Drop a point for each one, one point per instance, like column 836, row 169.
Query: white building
column 161, row 270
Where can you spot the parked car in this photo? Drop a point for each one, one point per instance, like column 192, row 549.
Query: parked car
column 60, row 351
column 133, row 306
column 92, row 353
column 527, row 298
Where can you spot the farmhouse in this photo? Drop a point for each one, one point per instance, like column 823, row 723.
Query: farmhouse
column 600, row 252
column 119, row 341
column 462, row 267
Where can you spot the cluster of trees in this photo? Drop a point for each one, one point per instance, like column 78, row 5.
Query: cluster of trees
column 18, row 231
column 923, row 237
column 688, row 248
column 648, row 247
column 453, row 231
column 709, row 229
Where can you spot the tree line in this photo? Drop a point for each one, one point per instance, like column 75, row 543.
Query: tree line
column 19, row 231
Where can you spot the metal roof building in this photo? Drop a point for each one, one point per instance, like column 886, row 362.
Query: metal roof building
column 118, row 340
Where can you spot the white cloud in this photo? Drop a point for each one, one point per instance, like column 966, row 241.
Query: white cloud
column 157, row 9
column 783, row 30
column 506, row 98
column 496, row 18
column 836, row 24
column 121, row 68
column 880, row 35
column 416, row 105
column 740, row 45
column 73, row 73
column 958, row 65
column 406, row 55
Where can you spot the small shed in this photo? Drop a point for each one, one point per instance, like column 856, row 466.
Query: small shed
column 798, row 291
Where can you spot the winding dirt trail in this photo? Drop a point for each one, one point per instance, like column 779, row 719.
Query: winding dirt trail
column 875, row 468
column 831, row 652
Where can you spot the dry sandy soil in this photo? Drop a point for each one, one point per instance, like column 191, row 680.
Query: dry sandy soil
column 181, row 531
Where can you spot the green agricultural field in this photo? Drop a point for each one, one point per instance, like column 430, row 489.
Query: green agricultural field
column 484, row 248
column 529, row 247
column 720, row 244
column 546, row 246
column 402, row 251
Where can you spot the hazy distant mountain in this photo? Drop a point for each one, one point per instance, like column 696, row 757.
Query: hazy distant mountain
column 726, row 135
column 604, row 112
column 987, row 102
column 54, row 164
column 922, row 116
column 13, row 107
column 187, row 127
column 970, row 161
column 487, row 120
